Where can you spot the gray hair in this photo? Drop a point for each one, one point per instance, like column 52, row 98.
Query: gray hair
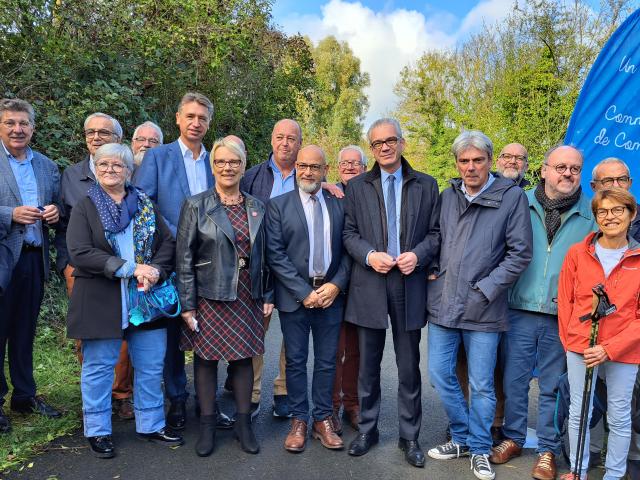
column 385, row 121
column 117, row 129
column 148, row 124
column 231, row 145
column 198, row 98
column 363, row 157
column 549, row 152
column 18, row 105
column 610, row 160
column 472, row 139
column 115, row 150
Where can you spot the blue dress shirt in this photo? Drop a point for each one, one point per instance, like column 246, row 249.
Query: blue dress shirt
column 28, row 187
column 281, row 185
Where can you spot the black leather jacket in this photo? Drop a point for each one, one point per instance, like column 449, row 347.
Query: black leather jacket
column 206, row 255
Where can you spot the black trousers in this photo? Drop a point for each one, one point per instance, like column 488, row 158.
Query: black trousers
column 407, row 349
column 19, row 309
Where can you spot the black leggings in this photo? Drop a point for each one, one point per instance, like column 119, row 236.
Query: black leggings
column 206, row 380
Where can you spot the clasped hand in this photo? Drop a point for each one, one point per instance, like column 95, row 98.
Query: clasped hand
column 382, row 262
column 595, row 356
column 29, row 215
column 146, row 275
column 322, row 297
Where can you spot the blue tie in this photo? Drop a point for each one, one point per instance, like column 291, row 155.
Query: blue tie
column 392, row 226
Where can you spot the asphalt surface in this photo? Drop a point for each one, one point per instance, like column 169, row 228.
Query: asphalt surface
column 69, row 458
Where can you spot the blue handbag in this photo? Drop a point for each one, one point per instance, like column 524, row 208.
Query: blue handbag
column 160, row 301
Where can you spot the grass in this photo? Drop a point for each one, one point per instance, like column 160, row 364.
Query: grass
column 57, row 374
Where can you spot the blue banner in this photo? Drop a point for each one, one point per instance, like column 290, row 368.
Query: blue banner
column 606, row 119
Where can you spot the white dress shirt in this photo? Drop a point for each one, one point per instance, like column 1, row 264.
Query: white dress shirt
column 196, row 168
column 307, row 205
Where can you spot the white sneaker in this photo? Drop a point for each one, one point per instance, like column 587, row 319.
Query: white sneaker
column 448, row 451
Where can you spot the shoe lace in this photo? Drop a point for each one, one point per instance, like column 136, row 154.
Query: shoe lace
column 544, row 461
column 503, row 446
column 481, row 462
column 451, row 445
column 298, row 428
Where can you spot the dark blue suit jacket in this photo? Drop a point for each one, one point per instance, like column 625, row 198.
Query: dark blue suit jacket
column 288, row 249
column 163, row 177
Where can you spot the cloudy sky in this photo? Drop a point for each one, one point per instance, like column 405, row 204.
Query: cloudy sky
column 387, row 35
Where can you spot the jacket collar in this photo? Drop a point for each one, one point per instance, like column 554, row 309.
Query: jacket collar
column 582, row 206
column 492, row 196
column 590, row 243
column 374, row 174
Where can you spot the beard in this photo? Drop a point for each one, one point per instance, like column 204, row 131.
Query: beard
column 511, row 174
column 137, row 158
column 309, row 187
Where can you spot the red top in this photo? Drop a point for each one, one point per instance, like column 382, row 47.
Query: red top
column 619, row 332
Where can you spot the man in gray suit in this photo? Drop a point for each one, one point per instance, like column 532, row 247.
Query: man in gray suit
column 29, row 204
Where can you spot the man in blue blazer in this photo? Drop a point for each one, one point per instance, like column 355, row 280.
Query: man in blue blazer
column 169, row 174
column 311, row 271
column 29, row 204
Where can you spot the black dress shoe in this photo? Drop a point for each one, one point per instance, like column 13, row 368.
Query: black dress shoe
column 413, row 454
column 35, row 405
column 223, row 421
column 177, row 415
column 102, row 446
column 165, row 437
column 362, row 443
column 5, row 424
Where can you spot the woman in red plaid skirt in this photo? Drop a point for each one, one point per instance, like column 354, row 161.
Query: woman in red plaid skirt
column 222, row 286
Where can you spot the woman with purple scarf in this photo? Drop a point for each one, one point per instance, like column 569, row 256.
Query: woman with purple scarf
column 118, row 243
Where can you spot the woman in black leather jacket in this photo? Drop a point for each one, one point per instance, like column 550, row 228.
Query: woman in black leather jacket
column 222, row 285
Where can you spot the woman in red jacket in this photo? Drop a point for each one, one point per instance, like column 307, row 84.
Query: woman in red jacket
column 612, row 258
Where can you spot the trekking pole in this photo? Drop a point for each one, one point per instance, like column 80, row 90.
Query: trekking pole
column 602, row 308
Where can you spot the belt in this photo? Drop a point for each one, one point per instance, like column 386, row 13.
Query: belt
column 31, row 248
column 317, row 281
column 243, row 263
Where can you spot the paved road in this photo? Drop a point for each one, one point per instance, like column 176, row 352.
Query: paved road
column 70, row 459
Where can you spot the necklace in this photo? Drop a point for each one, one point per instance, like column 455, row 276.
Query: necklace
column 231, row 201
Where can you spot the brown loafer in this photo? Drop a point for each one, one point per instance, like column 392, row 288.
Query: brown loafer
column 124, row 409
column 505, row 452
column 323, row 431
column 296, row 440
column 545, row 467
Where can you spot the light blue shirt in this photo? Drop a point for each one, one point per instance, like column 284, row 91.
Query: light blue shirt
column 281, row 185
column 28, row 187
column 124, row 239
column 470, row 197
column 196, row 169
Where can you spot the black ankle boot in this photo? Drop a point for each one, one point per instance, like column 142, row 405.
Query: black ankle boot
column 207, row 438
column 244, row 433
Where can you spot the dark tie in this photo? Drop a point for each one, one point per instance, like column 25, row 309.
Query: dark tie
column 392, row 226
column 318, row 237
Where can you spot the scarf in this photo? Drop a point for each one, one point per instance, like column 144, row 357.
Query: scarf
column 114, row 217
column 553, row 208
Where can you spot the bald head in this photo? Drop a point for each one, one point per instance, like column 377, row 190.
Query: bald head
column 513, row 161
column 286, row 139
column 311, row 168
column 236, row 139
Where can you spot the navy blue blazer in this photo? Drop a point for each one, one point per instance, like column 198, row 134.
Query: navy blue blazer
column 163, row 177
column 288, row 249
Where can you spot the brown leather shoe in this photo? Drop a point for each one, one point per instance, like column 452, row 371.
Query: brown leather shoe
column 297, row 438
column 124, row 409
column 545, row 467
column 505, row 452
column 323, row 431
column 336, row 424
column 352, row 416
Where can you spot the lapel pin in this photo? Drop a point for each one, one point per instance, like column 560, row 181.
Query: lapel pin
column 254, row 214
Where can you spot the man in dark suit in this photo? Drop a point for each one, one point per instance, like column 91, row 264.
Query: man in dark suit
column 305, row 254
column 169, row 174
column 29, row 204
column 391, row 233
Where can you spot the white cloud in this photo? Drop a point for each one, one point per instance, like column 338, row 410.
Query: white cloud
column 388, row 40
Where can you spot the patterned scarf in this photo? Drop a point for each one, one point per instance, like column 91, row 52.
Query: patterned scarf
column 137, row 207
column 553, row 208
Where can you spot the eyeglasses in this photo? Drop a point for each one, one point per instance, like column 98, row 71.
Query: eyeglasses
column 615, row 211
column 10, row 124
column 104, row 167
column 516, row 158
column 349, row 163
column 233, row 163
column 607, row 182
column 314, row 167
column 101, row 133
column 561, row 168
column 391, row 143
column 152, row 141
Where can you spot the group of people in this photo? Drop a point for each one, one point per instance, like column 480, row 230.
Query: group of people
column 503, row 278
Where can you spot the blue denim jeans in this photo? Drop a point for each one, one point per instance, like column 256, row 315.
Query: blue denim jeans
column 532, row 341
column 324, row 325
column 146, row 349
column 620, row 379
column 470, row 424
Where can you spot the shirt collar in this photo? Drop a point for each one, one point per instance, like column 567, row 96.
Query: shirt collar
column 274, row 167
column 28, row 158
column 397, row 175
column 306, row 197
column 187, row 153
column 92, row 167
column 487, row 184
